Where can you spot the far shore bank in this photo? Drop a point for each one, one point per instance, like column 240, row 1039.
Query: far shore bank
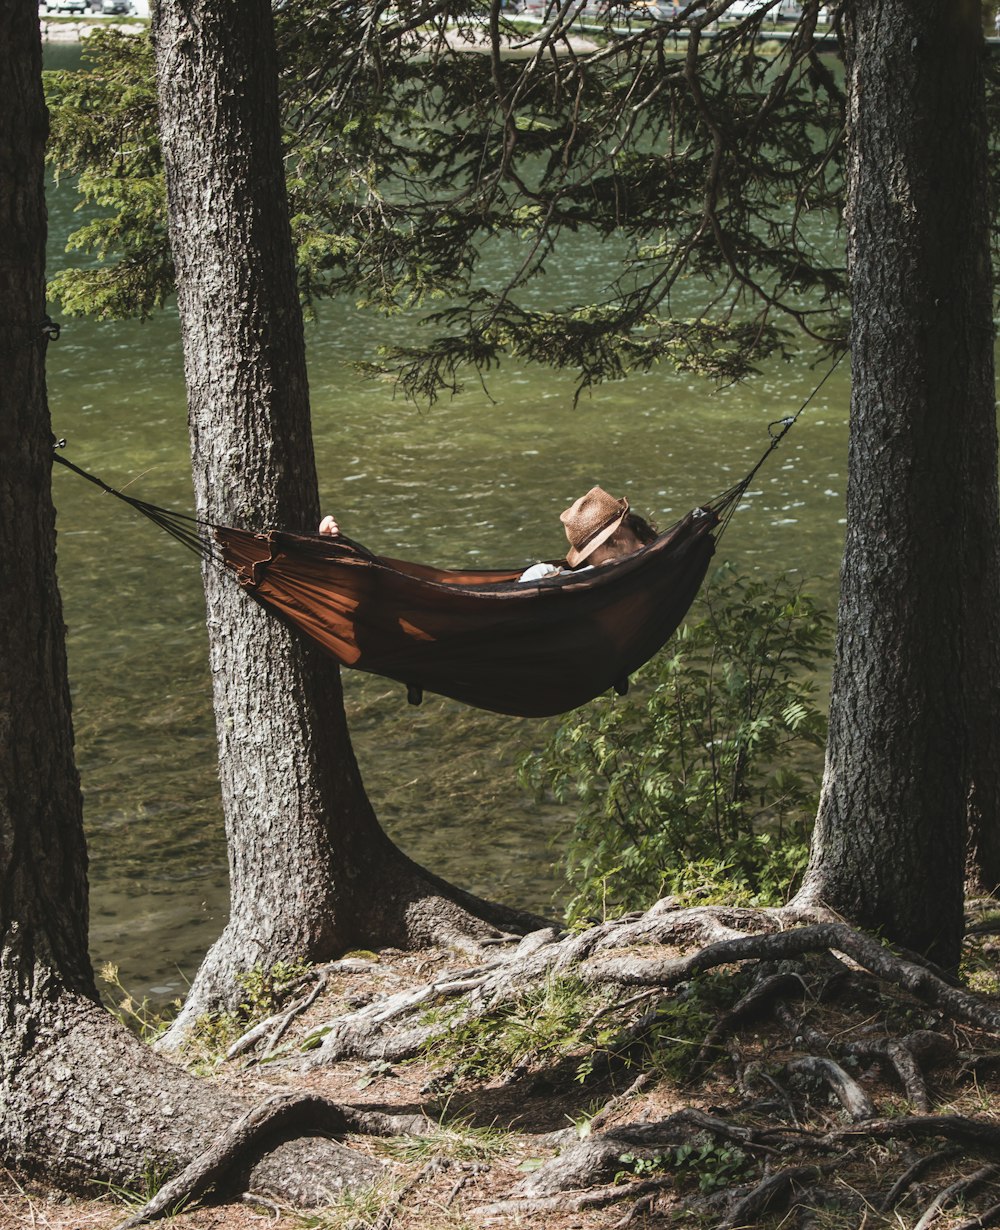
column 76, row 29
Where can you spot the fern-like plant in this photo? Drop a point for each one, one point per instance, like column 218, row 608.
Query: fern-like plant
column 704, row 779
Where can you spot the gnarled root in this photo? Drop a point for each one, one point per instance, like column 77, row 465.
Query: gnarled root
column 824, row 1087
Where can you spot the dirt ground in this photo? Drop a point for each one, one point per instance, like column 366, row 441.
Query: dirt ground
column 460, row 1171
column 492, row 1133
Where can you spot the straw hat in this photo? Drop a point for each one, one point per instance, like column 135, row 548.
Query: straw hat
column 590, row 521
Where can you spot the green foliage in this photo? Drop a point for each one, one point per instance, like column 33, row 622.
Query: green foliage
column 264, row 990
column 718, row 191
column 704, row 779
column 103, row 133
column 137, row 1015
column 712, row 1164
column 564, row 1018
column 545, row 1023
column 715, row 179
column 677, row 1030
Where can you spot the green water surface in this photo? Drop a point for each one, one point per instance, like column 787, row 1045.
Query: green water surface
column 478, row 479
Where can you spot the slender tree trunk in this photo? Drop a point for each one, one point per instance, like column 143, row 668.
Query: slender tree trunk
column 82, row 1100
column 312, row 873
column 913, row 722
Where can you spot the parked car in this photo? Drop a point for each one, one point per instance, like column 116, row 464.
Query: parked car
column 66, row 6
column 116, row 6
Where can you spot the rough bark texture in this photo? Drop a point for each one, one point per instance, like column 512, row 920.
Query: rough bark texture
column 980, row 537
column 43, row 895
column 90, row 1104
column 913, row 724
column 311, row 871
column 82, row 1100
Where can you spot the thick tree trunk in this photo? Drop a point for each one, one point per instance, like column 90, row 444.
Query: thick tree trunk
column 913, row 723
column 311, row 871
column 43, row 873
column 82, row 1101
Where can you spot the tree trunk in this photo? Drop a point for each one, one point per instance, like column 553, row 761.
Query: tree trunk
column 913, row 721
column 43, row 873
column 311, row 871
column 82, row 1100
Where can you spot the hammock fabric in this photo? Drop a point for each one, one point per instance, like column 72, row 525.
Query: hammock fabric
column 529, row 649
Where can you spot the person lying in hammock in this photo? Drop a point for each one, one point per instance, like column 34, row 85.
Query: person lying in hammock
column 599, row 528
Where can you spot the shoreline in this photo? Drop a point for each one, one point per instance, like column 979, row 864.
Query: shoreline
column 78, row 29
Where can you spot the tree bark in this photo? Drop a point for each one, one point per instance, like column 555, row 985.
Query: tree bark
column 43, row 861
column 913, row 721
column 82, row 1100
column 311, row 871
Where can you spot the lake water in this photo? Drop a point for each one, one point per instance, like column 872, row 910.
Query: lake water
column 475, row 480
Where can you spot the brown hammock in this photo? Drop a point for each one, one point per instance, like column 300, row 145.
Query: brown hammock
column 531, row 649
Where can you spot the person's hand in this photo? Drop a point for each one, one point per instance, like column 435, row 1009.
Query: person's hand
column 329, row 526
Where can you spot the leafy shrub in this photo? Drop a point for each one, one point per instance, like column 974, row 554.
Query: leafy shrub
column 565, row 1018
column 712, row 1164
column 704, row 780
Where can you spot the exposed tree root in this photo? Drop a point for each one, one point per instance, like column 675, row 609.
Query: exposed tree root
column 87, row 1104
column 819, row 1115
column 988, row 1217
column 827, row 1073
column 974, row 1133
column 598, row 1157
column 960, row 1189
column 912, row 1173
column 761, row 996
column 273, row 1027
column 283, row 1115
column 414, row 908
column 774, row 1189
column 847, row 1090
column 390, row 1028
column 572, row 1202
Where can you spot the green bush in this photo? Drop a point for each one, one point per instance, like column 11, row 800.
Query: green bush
column 704, row 779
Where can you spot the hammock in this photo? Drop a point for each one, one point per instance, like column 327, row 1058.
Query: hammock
column 529, row 649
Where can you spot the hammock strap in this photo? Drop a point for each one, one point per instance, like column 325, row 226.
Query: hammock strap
column 726, row 504
column 196, row 535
